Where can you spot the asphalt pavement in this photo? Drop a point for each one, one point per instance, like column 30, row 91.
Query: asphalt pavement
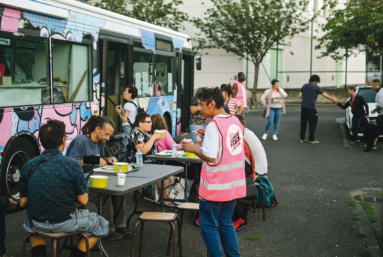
column 312, row 184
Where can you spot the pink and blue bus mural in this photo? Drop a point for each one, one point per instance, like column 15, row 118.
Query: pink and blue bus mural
column 64, row 60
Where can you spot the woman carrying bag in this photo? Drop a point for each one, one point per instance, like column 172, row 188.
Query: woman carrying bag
column 275, row 107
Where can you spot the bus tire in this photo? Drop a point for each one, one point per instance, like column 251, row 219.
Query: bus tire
column 18, row 154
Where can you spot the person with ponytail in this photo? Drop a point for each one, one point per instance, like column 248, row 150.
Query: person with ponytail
column 232, row 106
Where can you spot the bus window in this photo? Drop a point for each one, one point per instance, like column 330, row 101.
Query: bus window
column 23, row 70
column 143, row 73
column 71, row 71
column 164, row 76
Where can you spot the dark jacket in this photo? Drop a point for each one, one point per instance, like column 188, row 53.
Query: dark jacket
column 4, row 202
column 358, row 109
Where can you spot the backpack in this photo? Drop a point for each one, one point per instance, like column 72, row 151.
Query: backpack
column 140, row 110
column 115, row 147
column 268, row 191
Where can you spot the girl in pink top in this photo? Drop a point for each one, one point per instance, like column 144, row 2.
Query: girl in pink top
column 167, row 142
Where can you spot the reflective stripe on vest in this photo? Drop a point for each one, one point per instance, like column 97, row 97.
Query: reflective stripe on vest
column 241, row 95
column 225, row 186
column 226, row 167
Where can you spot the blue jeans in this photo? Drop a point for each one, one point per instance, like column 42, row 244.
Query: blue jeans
column 355, row 125
column 217, row 227
column 2, row 231
column 127, row 129
column 195, row 128
column 275, row 116
column 92, row 224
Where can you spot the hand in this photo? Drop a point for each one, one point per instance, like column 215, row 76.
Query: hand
column 111, row 160
column 335, row 100
column 102, row 162
column 247, row 108
column 201, row 133
column 157, row 136
column 12, row 205
column 373, row 111
column 367, row 116
column 187, row 146
column 118, row 110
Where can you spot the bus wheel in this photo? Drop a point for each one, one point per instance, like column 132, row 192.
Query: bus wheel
column 20, row 152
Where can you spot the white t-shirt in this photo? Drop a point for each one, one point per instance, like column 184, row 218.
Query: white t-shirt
column 258, row 151
column 212, row 145
column 132, row 112
column 379, row 101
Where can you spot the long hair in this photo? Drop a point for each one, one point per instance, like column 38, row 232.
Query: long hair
column 158, row 122
column 94, row 122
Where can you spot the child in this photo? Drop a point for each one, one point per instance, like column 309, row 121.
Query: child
column 5, row 204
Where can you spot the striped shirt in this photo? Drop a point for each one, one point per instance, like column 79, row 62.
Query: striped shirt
column 233, row 105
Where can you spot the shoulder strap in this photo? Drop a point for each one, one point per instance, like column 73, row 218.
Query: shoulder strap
column 133, row 103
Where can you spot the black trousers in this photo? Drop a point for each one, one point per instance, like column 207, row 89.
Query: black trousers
column 311, row 116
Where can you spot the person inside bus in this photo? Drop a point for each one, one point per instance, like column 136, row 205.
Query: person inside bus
column 51, row 185
column 96, row 132
column 128, row 114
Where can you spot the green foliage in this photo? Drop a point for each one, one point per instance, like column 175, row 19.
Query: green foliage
column 249, row 28
column 253, row 238
column 361, row 235
column 358, row 198
column 351, row 203
column 369, row 211
column 152, row 11
column 360, row 23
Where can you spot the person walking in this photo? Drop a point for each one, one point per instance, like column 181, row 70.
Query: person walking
column 359, row 110
column 379, row 105
column 231, row 104
column 240, row 91
column 275, row 107
column 222, row 175
column 309, row 94
column 129, row 113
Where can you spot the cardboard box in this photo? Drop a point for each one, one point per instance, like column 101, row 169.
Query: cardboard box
column 6, row 81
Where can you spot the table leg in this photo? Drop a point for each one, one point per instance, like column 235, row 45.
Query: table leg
column 162, row 196
column 102, row 250
column 135, row 209
column 186, row 181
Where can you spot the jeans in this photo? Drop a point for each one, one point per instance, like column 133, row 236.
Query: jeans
column 195, row 128
column 355, row 125
column 2, row 231
column 311, row 116
column 217, row 227
column 275, row 116
column 127, row 129
column 90, row 223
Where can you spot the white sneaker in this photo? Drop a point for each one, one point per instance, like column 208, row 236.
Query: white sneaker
column 275, row 137
column 264, row 136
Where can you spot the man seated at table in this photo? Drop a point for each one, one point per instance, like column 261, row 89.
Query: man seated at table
column 51, row 192
column 96, row 132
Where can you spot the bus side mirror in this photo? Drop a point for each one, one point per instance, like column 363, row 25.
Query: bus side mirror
column 199, row 62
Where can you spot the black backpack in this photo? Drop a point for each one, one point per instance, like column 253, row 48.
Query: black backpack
column 139, row 111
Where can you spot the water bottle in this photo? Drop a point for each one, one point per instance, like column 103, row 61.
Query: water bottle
column 174, row 150
column 139, row 158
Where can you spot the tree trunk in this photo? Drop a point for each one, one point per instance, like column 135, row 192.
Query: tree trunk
column 255, row 85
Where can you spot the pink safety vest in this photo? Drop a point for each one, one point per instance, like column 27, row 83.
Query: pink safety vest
column 241, row 93
column 226, row 180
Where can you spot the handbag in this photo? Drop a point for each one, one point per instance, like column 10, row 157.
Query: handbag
column 264, row 113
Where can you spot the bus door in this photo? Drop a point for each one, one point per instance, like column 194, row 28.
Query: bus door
column 115, row 70
column 186, row 80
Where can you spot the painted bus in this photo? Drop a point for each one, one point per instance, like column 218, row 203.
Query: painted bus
column 67, row 60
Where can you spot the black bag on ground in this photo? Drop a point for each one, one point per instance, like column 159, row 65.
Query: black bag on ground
column 115, row 147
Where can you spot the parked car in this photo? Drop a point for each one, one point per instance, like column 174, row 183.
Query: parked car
column 369, row 95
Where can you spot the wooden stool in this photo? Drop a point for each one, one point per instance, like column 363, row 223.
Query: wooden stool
column 159, row 217
column 185, row 207
column 55, row 237
column 260, row 199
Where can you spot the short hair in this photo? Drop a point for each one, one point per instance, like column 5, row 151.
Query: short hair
column 210, row 94
column 352, row 88
column 140, row 118
column 52, row 133
column 241, row 119
column 314, row 78
column 240, row 73
column 227, row 89
column 159, row 122
column 274, row 81
column 96, row 121
column 133, row 90
column 375, row 81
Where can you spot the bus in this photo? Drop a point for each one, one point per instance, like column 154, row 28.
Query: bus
column 67, row 60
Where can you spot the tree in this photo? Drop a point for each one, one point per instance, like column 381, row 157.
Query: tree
column 360, row 23
column 152, row 11
column 250, row 29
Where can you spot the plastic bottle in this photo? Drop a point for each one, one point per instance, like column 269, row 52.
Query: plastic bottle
column 174, row 150
column 139, row 159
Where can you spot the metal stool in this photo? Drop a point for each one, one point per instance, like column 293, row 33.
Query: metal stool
column 260, row 199
column 159, row 217
column 185, row 207
column 55, row 237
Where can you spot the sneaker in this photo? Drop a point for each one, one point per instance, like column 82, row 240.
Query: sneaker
column 275, row 137
column 197, row 222
column 356, row 143
column 264, row 136
column 240, row 227
column 365, row 145
column 303, row 141
column 114, row 236
column 125, row 232
column 374, row 147
column 238, row 223
column 314, row 142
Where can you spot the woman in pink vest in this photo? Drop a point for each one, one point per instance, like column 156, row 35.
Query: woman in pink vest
column 222, row 175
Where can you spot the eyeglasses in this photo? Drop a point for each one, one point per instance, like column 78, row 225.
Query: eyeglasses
column 150, row 122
